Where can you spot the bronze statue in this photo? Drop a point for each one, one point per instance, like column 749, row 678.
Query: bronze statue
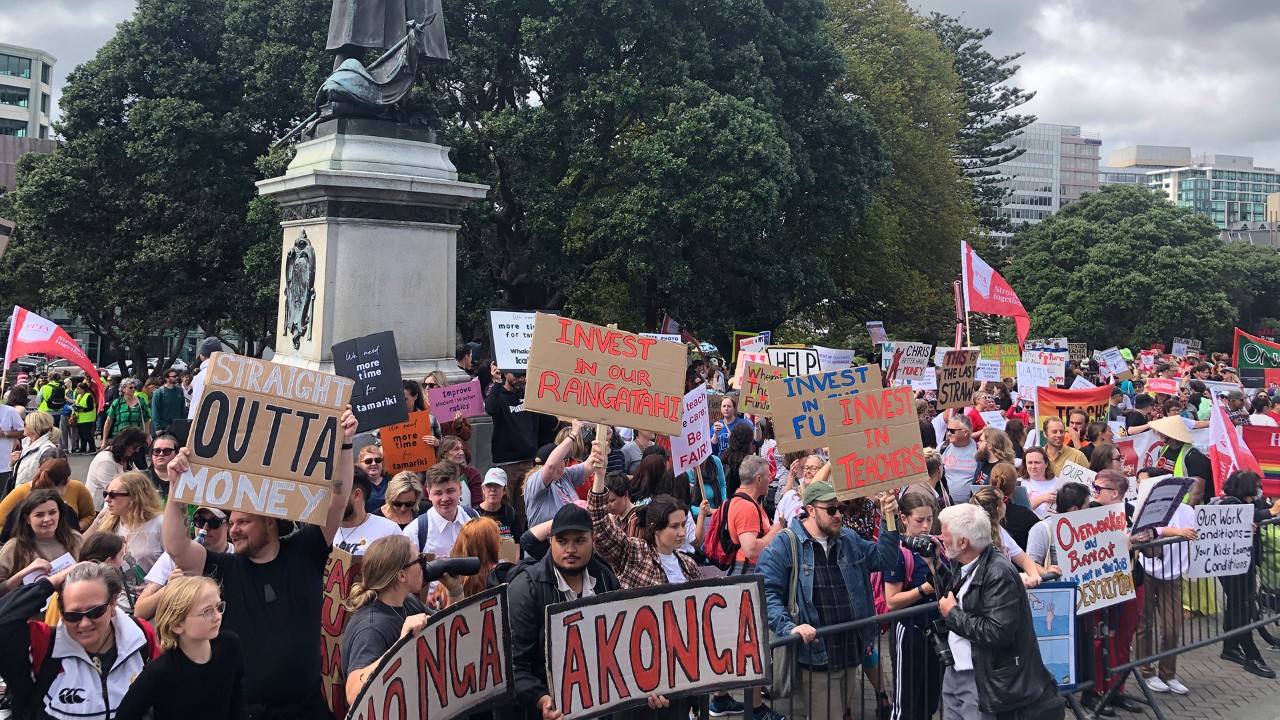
column 356, row 26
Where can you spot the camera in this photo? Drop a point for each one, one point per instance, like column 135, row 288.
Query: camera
column 922, row 545
column 936, row 633
column 457, row 567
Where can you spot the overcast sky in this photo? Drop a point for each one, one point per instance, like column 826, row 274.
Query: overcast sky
column 1157, row 72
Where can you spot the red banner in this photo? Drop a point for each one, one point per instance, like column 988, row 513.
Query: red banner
column 1264, row 443
column 29, row 333
column 1051, row 402
column 985, row 291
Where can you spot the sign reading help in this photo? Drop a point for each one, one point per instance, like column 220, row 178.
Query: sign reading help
column 589, row 372
column 957, row 379
column 458, row 664
column 1224, row 541
column 692, row 444
column 795, row 360
column 609, row 652
column 1093, row 550
column 265, row 439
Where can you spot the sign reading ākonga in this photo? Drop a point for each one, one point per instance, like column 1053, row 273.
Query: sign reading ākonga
column 609, row 652
column 266, row 439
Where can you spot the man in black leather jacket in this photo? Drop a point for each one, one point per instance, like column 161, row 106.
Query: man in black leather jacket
column 997, row 670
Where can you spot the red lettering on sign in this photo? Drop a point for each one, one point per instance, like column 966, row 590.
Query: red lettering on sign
column 680, row 649
column 491, row 666
column 433, row 667
column 876, row 468
column 608, row 670
column 748, row 637
column 721, row 663
column 607, row 341
column 574, row 673
column 645, row 626
column 463, row 682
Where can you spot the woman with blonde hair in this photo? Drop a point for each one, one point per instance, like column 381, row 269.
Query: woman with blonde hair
column 40, row 442
column 993, row 501
column 457, row 425
column 133, row 511
column 404, row 492
column 199, row 661
column 384, row 607
column 478, row 538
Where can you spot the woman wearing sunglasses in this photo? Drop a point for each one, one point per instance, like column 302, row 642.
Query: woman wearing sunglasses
column 404, row 492
column 133, row 511
column 116, row 457
column 99, row 649
column 198, row 660
column 384, row 607
column 215, row 526
column 40, row 537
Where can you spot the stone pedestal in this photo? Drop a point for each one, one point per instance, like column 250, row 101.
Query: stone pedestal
column 377, row 204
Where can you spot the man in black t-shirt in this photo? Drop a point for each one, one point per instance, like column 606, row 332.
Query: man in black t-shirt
column 1136, row 420
column 274, row 589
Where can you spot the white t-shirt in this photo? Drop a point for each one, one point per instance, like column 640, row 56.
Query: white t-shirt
column 788, row 507
column 690, row 533
column 357, row 539
column 671, row 566
column 1039, row 487
column 1011, row 549
column 1262, row 420
column 961, row 648
column 10, row 421
column 164, row 567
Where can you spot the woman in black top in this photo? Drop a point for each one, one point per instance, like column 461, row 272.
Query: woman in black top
column 1018, row 518
column 201, row 672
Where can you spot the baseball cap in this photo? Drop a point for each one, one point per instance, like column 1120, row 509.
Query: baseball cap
column 495, row 476
column 817, row 492
column 571, row 518
column 1233, row 395
column 216, row 512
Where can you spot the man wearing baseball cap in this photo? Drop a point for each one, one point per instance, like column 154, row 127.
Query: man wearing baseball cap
column 496, row 507
column 568, row 571
column 212, row 529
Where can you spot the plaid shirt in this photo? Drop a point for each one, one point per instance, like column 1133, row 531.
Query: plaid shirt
column 831, row 600
column 633, row 560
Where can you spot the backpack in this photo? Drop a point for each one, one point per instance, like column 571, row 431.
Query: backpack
column 57, row 397
column 720, row 547
column 45, row 668
column 424, row 529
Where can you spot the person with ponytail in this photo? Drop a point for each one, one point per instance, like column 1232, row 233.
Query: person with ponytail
column 384, row 607
column 993, row 501
column 198, row 660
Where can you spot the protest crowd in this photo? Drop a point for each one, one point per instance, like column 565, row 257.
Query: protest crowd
column 122, row 596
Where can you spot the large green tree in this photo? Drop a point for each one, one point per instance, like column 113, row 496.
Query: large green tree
column 1125, row 267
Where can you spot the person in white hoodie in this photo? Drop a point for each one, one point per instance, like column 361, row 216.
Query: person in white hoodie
column 40, row 442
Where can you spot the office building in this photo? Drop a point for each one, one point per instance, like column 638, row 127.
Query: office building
column 1060, row 163
column 1228, row 189
column 26, row 86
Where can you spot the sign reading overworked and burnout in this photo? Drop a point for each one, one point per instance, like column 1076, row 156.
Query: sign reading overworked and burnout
column 266, row 439
column 1093, row 550
column 589, row 372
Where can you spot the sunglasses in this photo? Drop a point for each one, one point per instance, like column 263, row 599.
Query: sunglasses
column 372, row 461
column 212, row 523
column 421, row 560
column 831, row 510
column 952, row 430
column 212, row 613
column 1099, row 488
column 430, row 386
column 403, row 505
column 72, row 617
column 107, row 494
column 163, row 452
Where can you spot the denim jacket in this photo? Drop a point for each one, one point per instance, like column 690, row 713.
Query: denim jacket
column 858, row 558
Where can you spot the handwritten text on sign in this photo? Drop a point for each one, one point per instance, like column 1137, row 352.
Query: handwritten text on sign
column 800, row 420
column 692, row 444
column 610, row 652
column 610, row 376
column 457, row 664
column 957, row 379
column 341, row 572
column 512, row 334
column 451, row 400
column 795, row 360
column 1224, row 541
column 265, row 439
column 754, row 396
column 1093, row 550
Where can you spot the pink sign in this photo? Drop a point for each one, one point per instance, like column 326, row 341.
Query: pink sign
column 447, row 402
column 1168, row 386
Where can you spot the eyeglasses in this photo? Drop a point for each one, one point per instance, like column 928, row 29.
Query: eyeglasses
column 163, row 452
column 212, row 523
column 213, row 613
column 73, row 617
column 107, row 494
column 403, row 505
column 372, row 461
column 831, row 510
column 811, row 468
column 421, row 560
column 1099, row 488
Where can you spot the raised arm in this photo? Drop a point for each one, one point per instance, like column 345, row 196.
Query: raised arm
column 553, row 470
column 341, row 477
column 186, row 553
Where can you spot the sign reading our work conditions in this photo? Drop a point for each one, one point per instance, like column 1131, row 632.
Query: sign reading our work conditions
column 1224, row 541
column 377, row 398
column 755, row 398
column 610, row 376
column 872, row 431
column 957, row 379
column 1093, row 550
column 607, row 653
column 340, row 573
column 265, row 439
column 459, row 664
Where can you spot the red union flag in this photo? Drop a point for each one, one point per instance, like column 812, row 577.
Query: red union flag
column 30, row 333
column 985, row 291
column 1227, row 453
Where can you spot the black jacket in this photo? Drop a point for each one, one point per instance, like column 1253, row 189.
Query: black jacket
column 532, row 589
column 997, row 620
column 517, row 434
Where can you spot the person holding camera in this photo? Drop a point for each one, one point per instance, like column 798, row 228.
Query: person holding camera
column 834, row 566
column 912, row 581
column 995, row 669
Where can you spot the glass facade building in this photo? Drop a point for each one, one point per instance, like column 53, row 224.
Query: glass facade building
column 1058, row 165
column 25, row 89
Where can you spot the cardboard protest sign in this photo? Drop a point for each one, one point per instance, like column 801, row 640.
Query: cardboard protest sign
column 607, row 653
column 940, row 353
column 266, row 439
column 740, row 370
column 957, row 379
column 995, row 419
column 1007, row 354
column 511, row 334
column 1116, row 364
column 928, row 380
column 1079, row 353
column 876, row 330
column 833, row 359
column 1224, row 541
column 1093, row 550
column 754, row 397
column 341, row 572
column 460, row 663
column 988, row 371
column 795, row 360
column 447, row 402
column 692, row 444
column 1052, row 402
column 1072, row 472
column 755, row 343
column 751, row 338
column 800, row 418
column 589, row 372
column 403, row 448
column 377, row 398
column 1158, row 499
column 1168, row 386
column 904, row 362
